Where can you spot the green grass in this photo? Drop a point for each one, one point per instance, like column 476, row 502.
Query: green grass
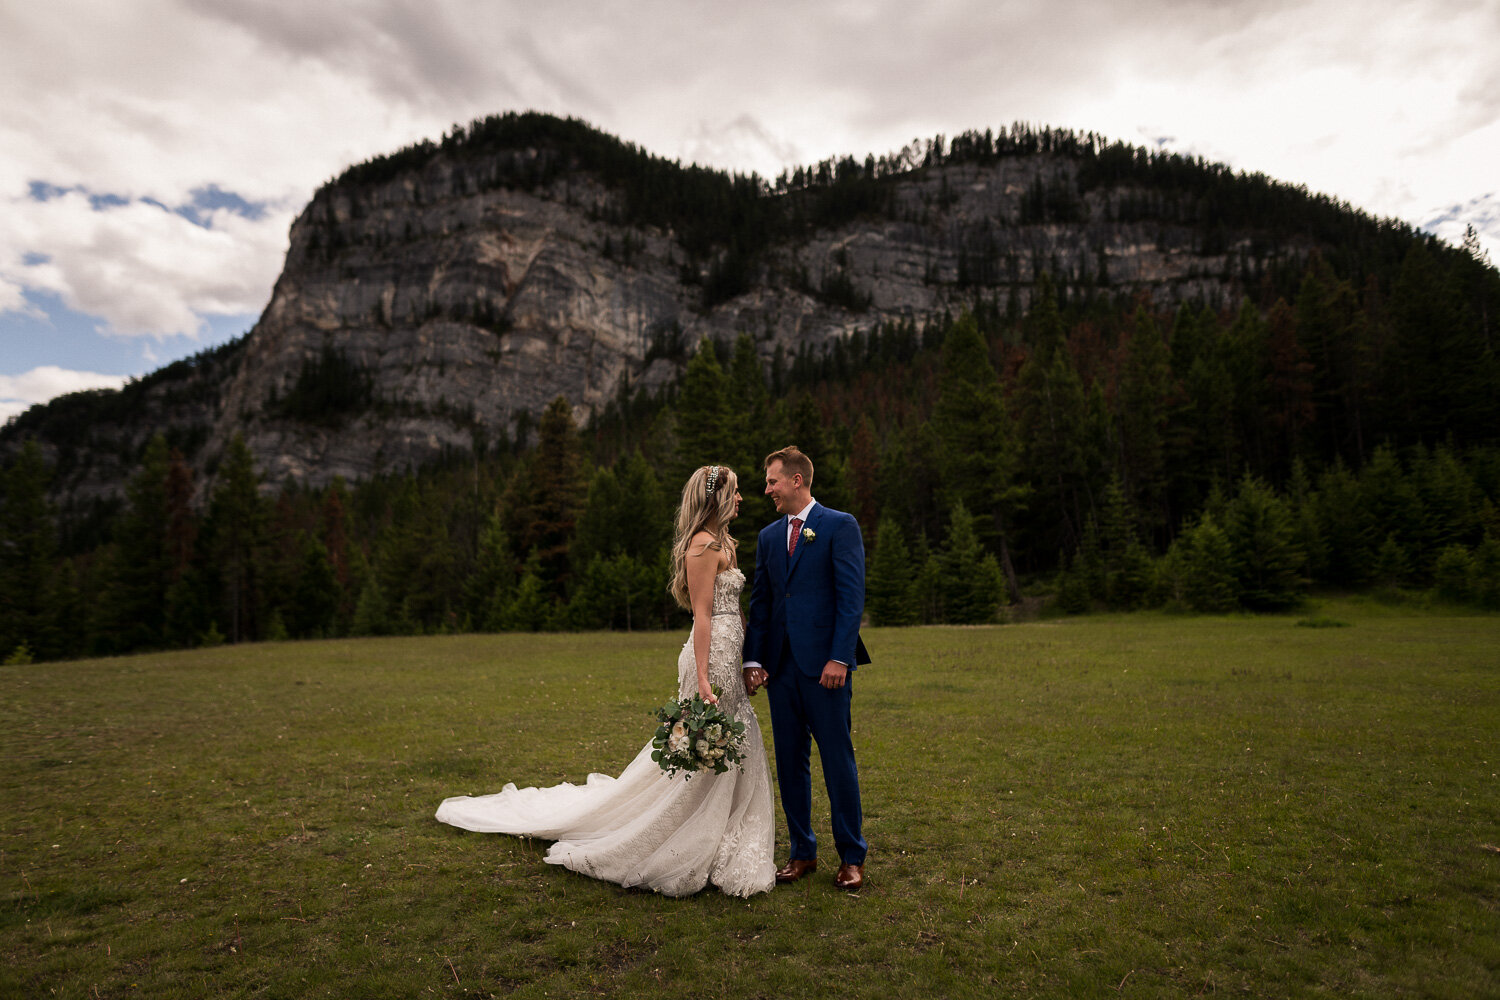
column 1117, row 806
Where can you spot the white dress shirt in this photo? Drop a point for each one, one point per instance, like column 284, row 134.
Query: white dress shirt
column 802, row 515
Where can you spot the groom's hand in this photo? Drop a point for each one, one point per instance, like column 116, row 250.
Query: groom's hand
column 834, row 674
column 755, row 679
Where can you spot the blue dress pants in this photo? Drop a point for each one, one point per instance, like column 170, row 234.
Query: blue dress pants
column 804, row 712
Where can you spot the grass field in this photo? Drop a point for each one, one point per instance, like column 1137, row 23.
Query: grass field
column 1131, row 806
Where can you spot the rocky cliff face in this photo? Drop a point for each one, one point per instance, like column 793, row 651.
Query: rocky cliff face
column 465, row 303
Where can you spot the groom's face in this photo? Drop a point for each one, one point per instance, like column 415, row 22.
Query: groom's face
column 780, row 488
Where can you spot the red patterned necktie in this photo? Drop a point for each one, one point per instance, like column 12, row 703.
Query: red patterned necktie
column 791, row 543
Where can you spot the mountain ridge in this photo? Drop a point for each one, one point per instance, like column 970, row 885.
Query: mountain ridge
column 435, row 299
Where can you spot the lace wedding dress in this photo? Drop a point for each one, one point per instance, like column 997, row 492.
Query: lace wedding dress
column 674, row 835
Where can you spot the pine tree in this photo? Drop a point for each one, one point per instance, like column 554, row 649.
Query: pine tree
column 1289, row 387
column 1392, row 565
column 1145, row 392
column 543, row 502
column 864, row 471
column 1453, row 574
column 978, row 450
column 313, row 611
column 1207, row 567
column 1126, row 564
column 1263, row 541
column 750, row 405
column 705, row 421
column 888, row 587
column 371, row 611
column 530, row 609
column 28, row 542
column 971, row 586
column 237, row 527
column 1060, row 452
column 147, row 564
column 1344, row 524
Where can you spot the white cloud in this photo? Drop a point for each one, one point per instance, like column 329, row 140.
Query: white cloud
column 140, row 268
column 1392, row 107
column 19, row 392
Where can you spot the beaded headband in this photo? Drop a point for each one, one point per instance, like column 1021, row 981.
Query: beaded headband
column 713, row 480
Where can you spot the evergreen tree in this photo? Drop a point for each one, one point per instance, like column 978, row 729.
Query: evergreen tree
column 615, row 592
column 1263, row 540
column 809, row 431
column 1303, row 506
column 1330, row 336
column 530, row 609
column 313, row 610
column 971, row 586
column 644, row 517
column 1392, row 565
column 909, row 492
column 927, row 588
column 543, row 502
column 1060, row 452
column 490, row 587
column 1390, row 498
column 371, row 611
column 978, row 450
column 864, row 472
column 1145, row 392
column 1289, row 387
column 1453, row 574
column 888, row 586
column 1206, row 565
column 28, row 541
column 1449, row 501
column 1125, row 563
column 1344, row 525
column 750, row 406
column 144, row 565
column 705, row 420
column 237, row 526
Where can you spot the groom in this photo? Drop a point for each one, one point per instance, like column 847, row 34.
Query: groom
column 802, row 644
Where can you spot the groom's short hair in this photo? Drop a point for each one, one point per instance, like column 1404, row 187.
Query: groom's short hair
column 793, row 463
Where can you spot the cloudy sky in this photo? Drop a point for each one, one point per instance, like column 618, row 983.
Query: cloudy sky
column 154, row 152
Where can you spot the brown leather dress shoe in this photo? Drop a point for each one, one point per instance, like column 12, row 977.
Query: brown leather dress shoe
column 851, row 877
column 794, row 870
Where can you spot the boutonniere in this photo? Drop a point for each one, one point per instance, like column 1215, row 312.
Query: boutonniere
column 809, row 535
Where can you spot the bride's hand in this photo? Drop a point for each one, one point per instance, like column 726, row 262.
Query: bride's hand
column 707, row 694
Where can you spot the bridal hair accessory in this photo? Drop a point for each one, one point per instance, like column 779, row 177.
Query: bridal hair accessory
column 713, row 479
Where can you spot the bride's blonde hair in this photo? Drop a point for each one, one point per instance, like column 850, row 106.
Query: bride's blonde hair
column 707, row 505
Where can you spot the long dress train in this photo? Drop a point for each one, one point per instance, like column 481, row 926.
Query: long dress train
column 673, row 835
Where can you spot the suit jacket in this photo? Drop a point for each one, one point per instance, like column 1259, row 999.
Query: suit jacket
column 814, row 600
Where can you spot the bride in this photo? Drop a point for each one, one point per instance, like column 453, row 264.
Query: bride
column 670, row 834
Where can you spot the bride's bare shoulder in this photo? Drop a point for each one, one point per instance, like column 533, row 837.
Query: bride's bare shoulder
column 702, row 542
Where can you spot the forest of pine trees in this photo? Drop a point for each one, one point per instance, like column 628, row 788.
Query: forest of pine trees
column 1091, row 453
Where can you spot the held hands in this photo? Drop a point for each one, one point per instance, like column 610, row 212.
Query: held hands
column 755, row 679
column 834, row 675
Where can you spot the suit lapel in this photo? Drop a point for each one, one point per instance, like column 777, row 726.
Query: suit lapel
column 812, row 519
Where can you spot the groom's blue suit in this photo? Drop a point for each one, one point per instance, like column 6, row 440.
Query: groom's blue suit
column 804, row 611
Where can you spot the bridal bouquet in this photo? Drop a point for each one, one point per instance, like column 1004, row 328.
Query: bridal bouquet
column 696, row 736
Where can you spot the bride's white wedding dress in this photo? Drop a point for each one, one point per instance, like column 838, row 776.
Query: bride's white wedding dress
column 674, row 835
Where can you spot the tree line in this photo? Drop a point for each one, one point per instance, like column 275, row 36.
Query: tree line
column 1090, row 452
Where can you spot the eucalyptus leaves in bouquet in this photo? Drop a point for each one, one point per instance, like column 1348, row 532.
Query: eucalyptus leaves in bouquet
column 695, row 735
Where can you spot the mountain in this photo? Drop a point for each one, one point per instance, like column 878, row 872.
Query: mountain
column 435, row 300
